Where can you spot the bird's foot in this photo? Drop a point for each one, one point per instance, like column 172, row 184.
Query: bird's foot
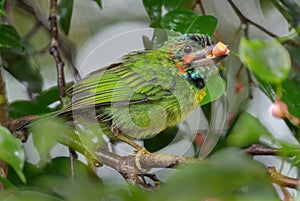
column 138, row 153
column 141, row 180
column 138, row 148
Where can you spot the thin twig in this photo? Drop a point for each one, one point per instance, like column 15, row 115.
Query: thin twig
column 286, row 194
column 282, row 180
column 199, row 2
column 54, row 51
column 245, row 20
column 276, row 177
column 256, row 149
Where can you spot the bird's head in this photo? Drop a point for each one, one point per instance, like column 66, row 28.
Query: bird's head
column 195, row 55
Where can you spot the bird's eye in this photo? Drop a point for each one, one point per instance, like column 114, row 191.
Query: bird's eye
column 187, row 49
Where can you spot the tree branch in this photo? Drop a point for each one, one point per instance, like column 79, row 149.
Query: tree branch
column 256, row 149
column 246, row 20
column 3, row 117
column 54, row 51
column 282, row 180
column 134, row 168
column 276, row 177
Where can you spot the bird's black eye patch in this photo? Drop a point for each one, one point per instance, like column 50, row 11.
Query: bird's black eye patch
column 187, row 49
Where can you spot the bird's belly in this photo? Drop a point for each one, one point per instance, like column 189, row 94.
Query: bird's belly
column 147, row 119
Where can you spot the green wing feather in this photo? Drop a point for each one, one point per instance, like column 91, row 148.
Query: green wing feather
column 139, row 78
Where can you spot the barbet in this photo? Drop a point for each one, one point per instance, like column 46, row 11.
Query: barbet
column 148, row 90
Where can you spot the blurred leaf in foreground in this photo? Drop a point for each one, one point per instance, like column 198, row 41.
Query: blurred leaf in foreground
column 246, row 131
column 230, row 175
column 269, row 61
column 12, row 152
column 46, row 133
column 2, row 11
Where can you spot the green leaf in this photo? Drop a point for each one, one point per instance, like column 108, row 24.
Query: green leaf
column 61, row 166
column 9, row 38
column 215, row 87
column 23, row 108
column 12, row 152
column 203, row 24
column 170, row 5
column 30, row 195
column 270, row 61
column 99, row 3
column 46, row 133
column 39, row 105
column 245, row 180
column 48, row 96
column 2, row 11
column 154, row 11
column 64, row 10
column 185, row 21
column 58, row 167
column 19, row 67
column 295, row 72
column 6, row 182
column 291, row 96
column 246, row 131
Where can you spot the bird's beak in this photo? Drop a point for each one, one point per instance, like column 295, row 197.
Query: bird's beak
column 210, row 55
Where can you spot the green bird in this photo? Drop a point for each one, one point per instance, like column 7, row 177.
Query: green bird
column 148, row 90
column 145, row 93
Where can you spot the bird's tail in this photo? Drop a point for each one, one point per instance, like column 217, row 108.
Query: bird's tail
column 23, row 123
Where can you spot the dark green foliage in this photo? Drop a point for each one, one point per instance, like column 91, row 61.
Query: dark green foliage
column 9, row 38
column 39, row 105
column 65, row 10
column 178, row 20
column 99, row 3
column 2, row 11
column 272, row 66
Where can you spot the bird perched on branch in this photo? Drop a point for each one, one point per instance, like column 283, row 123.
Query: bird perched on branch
column 148, row 90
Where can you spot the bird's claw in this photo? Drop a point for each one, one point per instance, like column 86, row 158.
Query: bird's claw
column 138, row 154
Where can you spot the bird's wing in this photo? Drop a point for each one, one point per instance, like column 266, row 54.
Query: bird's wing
column 119, row 84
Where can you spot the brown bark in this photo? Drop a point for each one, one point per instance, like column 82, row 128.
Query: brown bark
column 3, row 117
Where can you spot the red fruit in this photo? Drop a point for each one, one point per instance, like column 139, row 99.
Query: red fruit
column 220, row 49
column 238, row 87
column 279, row 109
column 199, row 139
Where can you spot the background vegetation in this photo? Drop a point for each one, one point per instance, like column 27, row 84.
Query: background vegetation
column 262, row 99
